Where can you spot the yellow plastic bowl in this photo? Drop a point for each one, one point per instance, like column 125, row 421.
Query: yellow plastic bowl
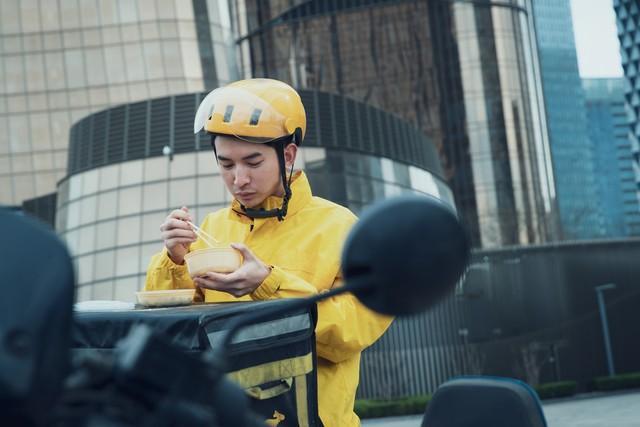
column 167, row 298
column 220, row 260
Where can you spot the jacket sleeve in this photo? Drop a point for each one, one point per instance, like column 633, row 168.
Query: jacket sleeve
column 280, row 284
column 163, row 274
column 345, row 326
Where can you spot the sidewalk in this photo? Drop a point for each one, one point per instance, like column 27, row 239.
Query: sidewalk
column 612, row 409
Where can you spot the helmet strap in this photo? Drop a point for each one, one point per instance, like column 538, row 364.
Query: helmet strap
column 279, row 145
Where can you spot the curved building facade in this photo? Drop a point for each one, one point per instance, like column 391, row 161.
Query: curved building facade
column 120, row 186
column 466, row 73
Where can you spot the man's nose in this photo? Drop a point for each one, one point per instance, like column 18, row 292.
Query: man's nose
column 242, row 177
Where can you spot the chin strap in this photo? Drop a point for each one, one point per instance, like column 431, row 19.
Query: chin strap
column 279, row 145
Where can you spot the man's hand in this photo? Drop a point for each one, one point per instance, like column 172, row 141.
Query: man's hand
column 177, row 234
column 243, row 281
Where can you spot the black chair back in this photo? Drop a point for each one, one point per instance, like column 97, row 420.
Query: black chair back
column 484, row 401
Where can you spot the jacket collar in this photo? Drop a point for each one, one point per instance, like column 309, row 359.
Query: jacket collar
column 300, row 196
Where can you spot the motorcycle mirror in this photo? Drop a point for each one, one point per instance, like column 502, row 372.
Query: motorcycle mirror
column 405, row 254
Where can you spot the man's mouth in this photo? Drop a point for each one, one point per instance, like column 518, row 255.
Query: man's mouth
column 244, row 194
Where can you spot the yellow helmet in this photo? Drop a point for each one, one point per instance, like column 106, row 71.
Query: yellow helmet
column 254, row 110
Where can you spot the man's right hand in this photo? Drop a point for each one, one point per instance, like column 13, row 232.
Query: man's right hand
column 177, row 234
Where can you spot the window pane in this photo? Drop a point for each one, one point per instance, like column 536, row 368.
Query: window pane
column 8, row 21
column 151, row 226
column 155, row 197
column 147, row 251
column 147, row 10
column 131, row 173
column 153, row 59
column 69, row 14
column 125, row 289
column 75, row 187
column 109, row 177
column 127, row 261
column 35, row 72
column 102, row 291
column 71, row 239
column 14, row 74
column 128, row 11
column 129, row 200
column 182, row 193
column 105, row 235
column 104, row 265
column 210, row 190
column 107, row 205
column 172, row 58
column 74, row 67
column 90, row 182
column 85, row 269
column 115, row 64
column 86, row 240
column 108, row 12
column 128, row 230
column 134, row 58
column 88, row 209
column 95, row 67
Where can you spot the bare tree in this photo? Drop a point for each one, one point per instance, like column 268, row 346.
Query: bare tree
column 532, row 358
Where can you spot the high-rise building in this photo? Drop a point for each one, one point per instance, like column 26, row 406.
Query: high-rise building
column 609, row 133
column 628, row 22
column 464, row 72
column 571, row 150
column 60, row 61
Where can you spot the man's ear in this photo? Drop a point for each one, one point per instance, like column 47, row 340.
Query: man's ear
column 290, row 153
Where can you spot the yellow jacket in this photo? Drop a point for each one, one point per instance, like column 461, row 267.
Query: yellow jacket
column 304, row 251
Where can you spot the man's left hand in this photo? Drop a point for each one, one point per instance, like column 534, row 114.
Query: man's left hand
column 243, row 281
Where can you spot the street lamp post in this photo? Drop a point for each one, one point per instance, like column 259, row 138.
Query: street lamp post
column 605, row 325
column 464, row 333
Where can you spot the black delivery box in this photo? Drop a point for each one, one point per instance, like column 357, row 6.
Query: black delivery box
column 273, row 360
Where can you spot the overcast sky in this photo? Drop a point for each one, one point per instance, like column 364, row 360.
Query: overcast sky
column 594, row 25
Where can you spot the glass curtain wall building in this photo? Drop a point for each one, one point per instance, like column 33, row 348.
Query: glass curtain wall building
column 628, row 22
column 463, row 72
column 62, row 60
column 571, row 150
column 608, row 131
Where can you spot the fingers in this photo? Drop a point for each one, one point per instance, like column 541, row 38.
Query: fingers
column 230, row 278
column 175, row 224
column 221, row 282
column 244, row 250
column 182, row 214
column 175, row 236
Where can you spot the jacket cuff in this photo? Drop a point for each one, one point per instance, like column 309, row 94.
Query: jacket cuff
column 269, row 286
column 177, row 269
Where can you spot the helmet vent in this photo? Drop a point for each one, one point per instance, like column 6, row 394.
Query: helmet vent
column 227, row 114
column 255, row 117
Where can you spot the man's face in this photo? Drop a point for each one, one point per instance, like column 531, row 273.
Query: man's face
column 251, row 171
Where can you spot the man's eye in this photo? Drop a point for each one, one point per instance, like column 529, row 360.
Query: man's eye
column 254, row 165
column 227, row 166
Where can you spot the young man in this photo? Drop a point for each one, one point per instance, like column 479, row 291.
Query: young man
column 290, row 241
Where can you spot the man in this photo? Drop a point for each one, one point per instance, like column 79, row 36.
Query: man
column 290, row 240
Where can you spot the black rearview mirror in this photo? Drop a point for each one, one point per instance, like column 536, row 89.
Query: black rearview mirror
column 405, row 254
